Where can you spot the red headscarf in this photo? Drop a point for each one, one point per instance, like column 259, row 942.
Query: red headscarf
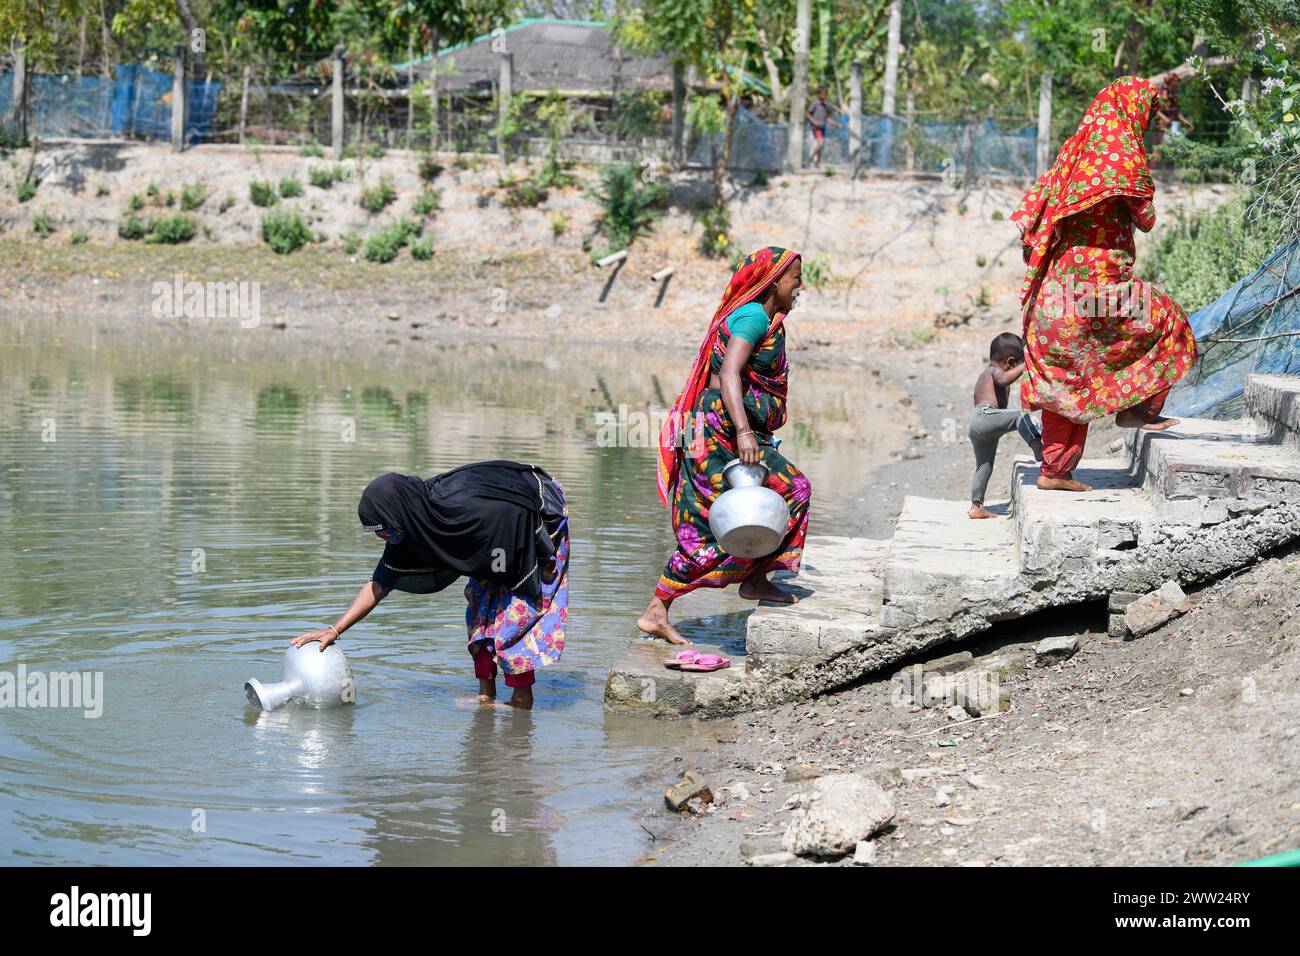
column 759, row 270
column 1104, row 158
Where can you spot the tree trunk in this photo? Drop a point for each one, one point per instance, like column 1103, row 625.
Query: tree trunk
column 1043, row 153
column 773, row 74
column 186, row 13
column 798, row 87
column 81, row 47
column 891, row 57
column 720, row 169
column 410, row 86
column 679, row 114
column 433, row 90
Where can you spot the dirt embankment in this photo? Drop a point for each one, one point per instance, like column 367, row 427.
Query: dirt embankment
column 897, row 262
column 1181, row 747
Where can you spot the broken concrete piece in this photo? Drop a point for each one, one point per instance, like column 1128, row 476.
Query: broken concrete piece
column 692, row 786
column 1050, row 650
column 865, row 854
column 771, row 859
column 1156, row 609
column 835, row 814
column 1119, row 600
column 1117, row 626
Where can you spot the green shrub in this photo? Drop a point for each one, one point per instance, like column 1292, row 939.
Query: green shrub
column 422, row 249
column 320, row 177
column 226, row 204
column 131, row 227
column 525, row 194
column 290, row 187
column 152, row 191
column 559, row 224
column 169, row 199
column 429, row 168
column 1205, row 254
column 816, row 271
column 343, row 174
column 311, row 149
column 193, row 196
column 715, row 239
column 377, row 197
column 78, row 237
column 351, row 242
column 427, row 203
column 629, row 206
column 483, row 200
column 386, row 243
column 284, row 230
column 262, row 193
column 172, row 229
column 101, row 190
column 42, row 224
column 25, row 190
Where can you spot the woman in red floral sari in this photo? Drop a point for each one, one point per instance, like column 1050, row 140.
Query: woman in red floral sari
column 1098, row 340
column 733, row 400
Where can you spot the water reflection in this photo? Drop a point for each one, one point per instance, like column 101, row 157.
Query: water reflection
column 174, row 508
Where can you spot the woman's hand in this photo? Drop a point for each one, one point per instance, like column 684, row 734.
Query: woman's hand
column 747, row 448
column 326, row 636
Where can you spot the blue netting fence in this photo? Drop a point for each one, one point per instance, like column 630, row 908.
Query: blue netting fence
column 136, row 102
column 1253, row 327
column 983, row 147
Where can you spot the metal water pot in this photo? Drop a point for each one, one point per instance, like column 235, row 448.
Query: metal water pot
column 312, row 677
column 748, row 520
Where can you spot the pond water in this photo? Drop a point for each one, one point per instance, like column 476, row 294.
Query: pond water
column 176, row 505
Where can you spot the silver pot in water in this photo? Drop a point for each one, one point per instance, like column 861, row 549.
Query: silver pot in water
column 748, row 520
column 311, row 676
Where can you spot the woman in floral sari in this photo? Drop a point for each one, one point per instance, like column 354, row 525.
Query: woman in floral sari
column 1098, row 340
column 733, row 401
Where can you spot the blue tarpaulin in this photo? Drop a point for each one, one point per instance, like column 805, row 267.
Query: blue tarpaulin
column 1245, row 330
column 136, row 102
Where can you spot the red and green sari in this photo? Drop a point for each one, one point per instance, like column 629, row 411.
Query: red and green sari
column 699, row 440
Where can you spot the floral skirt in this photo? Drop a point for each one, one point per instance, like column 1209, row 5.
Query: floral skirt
column 523, row 634
column 698, row 561
column 1089, row 357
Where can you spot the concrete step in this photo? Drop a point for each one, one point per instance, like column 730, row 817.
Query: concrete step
column 948, row 575
column 639, row 683
column 840, row 590
column 1060, row 532
column 1273, row 401
column 1202, row 472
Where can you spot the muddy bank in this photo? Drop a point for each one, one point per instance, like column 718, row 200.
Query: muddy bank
column 1172, row 749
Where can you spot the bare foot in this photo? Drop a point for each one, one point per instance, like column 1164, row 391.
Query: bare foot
column 979, row 511
column 522, row 698
column 487, row 690
column 1061, row 484
column 655, row 623
column 1130, row 419
column 759, row 588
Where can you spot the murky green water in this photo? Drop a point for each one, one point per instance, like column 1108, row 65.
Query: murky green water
column 174, row 507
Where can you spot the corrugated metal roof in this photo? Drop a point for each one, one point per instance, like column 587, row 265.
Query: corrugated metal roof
column 570, row 56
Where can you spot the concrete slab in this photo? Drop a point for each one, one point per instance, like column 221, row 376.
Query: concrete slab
column 941, row 560
column 840, row 590
column 639, row 683
column 1060, row 532
column 1273, row 401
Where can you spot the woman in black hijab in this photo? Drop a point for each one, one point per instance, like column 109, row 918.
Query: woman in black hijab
column 502, row 524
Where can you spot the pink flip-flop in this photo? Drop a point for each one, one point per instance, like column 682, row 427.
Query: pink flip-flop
column 707, row 662
column 681, row 660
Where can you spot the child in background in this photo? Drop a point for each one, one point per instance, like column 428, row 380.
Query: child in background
column 992, row 419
